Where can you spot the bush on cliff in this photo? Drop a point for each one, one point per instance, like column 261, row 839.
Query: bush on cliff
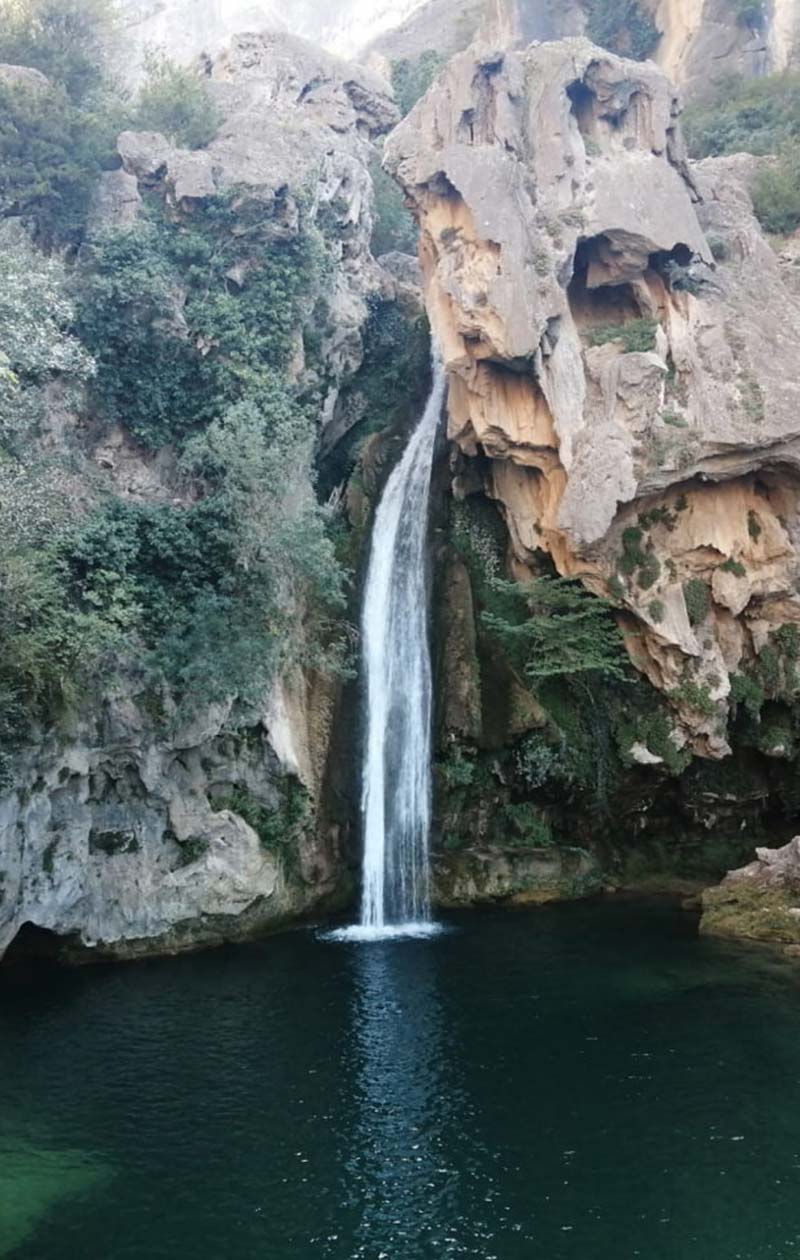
column 760, row 116
column 175, row 340
column 55, row 138
column 66, row 40
column 176, row 102
column 623, row 26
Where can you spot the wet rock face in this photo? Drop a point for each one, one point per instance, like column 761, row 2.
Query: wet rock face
column 482, row 876
column 621, row 348
column 760, row 901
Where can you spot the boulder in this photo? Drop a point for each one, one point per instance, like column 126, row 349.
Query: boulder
column 760, row 901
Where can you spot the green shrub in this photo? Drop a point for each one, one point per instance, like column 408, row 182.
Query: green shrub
column 734, row 566
column 656, row 610
column 55, row 140
column 527, row 827
column 456, row 769
column 652, row 728
column 695, row 696
column 51, row 153
column 394, row 226
column 697, row 597
column 776, row 193
column 754, row 527
column 637, row 335
column 412, row 78
column 176, row 101
column 558, row 628
column 747, row 693
column 173, row 341
column 623, row 26
column 67, row 40
column 758, row 115
column 36, row 343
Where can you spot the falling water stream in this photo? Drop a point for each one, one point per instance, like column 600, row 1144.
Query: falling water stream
column 396, row 801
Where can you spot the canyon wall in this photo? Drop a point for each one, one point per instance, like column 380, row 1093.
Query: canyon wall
column 130, row 826
column 621, row 349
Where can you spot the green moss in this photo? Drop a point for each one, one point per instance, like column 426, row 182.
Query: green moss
column 753, row 910
column 695, row 696
column 656, row 610
column 192, row 850
column 697, row 597
column 734, row 566
column 637, row 335
column 527, row 827
column 112, row 843
column 48, row 857
column 675, row 419
column 754, row 528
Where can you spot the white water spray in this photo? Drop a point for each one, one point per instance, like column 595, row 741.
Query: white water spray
column 396, row 801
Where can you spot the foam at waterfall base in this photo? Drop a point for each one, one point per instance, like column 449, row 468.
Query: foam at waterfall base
column 362, row 932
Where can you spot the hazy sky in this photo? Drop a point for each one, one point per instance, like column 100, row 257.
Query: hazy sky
column 344, row 25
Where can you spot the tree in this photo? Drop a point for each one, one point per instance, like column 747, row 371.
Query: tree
column 36, row 343
column 67, row 40
column 177, row 102
column 560, row 629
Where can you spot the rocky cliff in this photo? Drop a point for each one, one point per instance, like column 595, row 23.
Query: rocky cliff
column 620, row 346
column 129, row 827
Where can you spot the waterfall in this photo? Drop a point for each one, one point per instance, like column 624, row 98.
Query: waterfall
column 396, row 792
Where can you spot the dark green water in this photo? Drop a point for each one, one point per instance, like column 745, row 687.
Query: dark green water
column 576, row 1083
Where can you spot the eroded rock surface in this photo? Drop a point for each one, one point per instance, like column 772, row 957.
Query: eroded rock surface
column 621, row 350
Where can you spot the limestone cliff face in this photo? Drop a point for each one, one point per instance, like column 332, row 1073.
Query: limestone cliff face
column 701, row 41
column 630, row 403
column 129, row 830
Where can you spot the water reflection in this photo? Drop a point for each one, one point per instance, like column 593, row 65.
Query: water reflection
column 415, row 1161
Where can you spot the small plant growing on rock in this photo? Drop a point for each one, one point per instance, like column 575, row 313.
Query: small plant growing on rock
column 697, row 597
column 734, row 566
column 638, row 335
column 656, row 610
column 754, row 527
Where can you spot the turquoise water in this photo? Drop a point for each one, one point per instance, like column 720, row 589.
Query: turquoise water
column 586, row 1082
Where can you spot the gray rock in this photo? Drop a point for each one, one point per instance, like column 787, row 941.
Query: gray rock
column 116, row 203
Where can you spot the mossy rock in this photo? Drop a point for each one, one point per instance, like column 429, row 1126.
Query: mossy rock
column 753, row 910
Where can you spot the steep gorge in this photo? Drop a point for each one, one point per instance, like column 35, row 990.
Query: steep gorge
column 620, row 345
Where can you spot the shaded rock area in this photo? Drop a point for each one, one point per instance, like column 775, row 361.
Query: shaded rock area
column 534, row 877
column 760, row 901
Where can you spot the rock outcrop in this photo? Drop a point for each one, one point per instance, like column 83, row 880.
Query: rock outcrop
column 621, row 351
column 760, row 901
column 533, row 877
column 127, row 831
column 127, row 840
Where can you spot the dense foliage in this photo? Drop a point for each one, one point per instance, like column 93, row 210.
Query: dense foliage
column 176, row 102
column 55, row 137
column 760, row 116
column 66, row 40
column 412, row 78
column 395, row 228
column 175, row 339
column 624, row 26
column 561, row 629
